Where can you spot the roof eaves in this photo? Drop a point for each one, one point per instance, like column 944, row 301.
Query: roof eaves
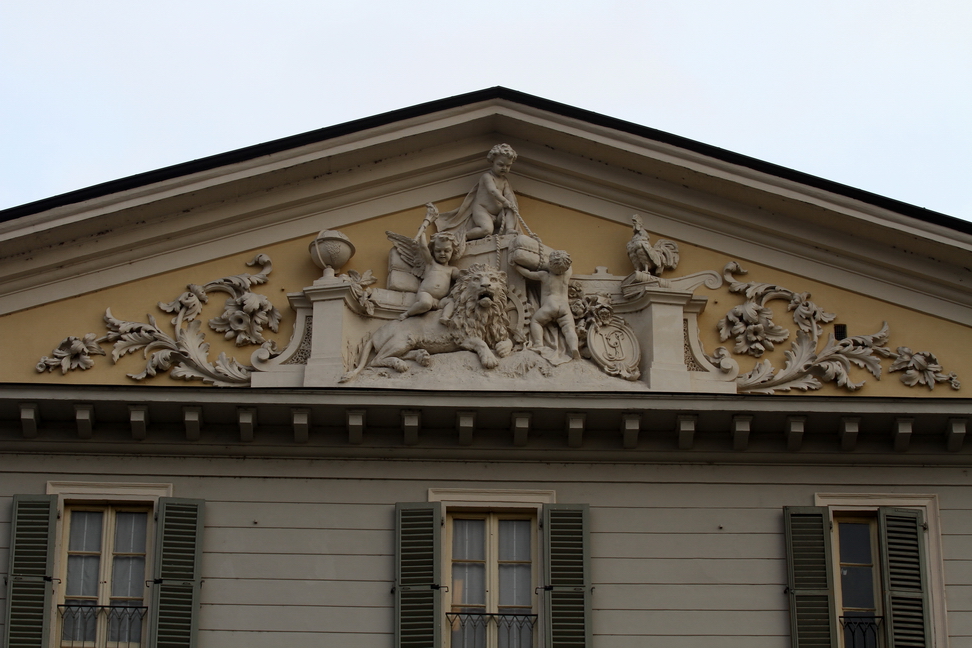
column 488, row 94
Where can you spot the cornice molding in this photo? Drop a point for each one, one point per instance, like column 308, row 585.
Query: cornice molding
column 351, row 423
column 918, row 264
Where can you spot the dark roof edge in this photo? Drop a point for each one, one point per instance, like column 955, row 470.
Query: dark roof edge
column 498, row 92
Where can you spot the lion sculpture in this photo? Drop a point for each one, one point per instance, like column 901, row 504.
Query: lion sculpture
column 480, row 323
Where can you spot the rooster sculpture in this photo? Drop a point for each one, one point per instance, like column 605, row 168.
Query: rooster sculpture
column 648, row 258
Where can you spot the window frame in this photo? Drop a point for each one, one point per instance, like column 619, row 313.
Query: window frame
column 106, row 560
column 36, row 529
column 874, row 549
column 77, row 495
column 514, row 502
column 870, row 503
column 492, row 518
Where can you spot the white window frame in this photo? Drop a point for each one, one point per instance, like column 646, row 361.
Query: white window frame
column 928, row 504
column 473, row 501
column 95, row 494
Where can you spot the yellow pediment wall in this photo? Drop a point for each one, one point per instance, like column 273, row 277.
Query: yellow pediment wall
column 592, row 241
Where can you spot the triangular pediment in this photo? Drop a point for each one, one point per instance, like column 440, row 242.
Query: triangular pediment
column 837, row 256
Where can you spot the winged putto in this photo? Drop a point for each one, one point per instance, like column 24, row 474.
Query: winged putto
column 431, row 262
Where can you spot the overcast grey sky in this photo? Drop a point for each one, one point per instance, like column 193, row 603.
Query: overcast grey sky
column 876, row 94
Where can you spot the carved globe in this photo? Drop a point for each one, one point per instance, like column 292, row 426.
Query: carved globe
column 331, row 249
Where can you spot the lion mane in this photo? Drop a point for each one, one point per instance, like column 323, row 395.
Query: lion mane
column 480, row 323
column 490, row 323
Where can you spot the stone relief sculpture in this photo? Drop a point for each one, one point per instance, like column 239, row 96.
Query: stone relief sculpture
column 921, row 368
column 430, row 262
column 73, row 353
column 604, row 337
column 185, row 354
column 490, row 207
column 480, row 324
column 647, row 259
column 806, row 366
column 554, row 281
column 485, row 282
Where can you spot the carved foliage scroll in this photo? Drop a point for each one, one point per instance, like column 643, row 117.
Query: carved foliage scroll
column 807, row 364
column 185, row 353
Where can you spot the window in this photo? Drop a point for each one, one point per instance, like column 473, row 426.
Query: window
column 103, row 572
column 858, row 577
column 111, row 577
column 492, row 586
column 474, row 575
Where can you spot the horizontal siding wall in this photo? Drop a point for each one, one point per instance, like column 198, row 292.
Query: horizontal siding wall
column 300, row 553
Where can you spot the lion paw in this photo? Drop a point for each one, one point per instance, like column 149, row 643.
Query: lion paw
column 489, row 361
column 504, row 348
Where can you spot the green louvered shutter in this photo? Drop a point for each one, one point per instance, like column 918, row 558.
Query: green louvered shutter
column 418, row 602
column 905, row 581
column 567, row 595
column 29, row 576
column 810, row 579
column 178, row 547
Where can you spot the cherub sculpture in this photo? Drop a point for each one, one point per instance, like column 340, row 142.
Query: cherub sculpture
column 490, row 207
column 554, row 301
column 648, row 258
column 430, row 261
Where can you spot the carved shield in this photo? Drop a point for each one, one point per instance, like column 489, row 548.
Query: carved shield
column 615, row 349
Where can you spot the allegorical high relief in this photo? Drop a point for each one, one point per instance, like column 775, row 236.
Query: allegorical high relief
column 482, row 302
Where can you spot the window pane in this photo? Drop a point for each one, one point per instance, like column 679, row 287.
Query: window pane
column 130, row 532
column 514, row 585
column 85, row 531
column 469, row 583
column 857, row 587
column 125, row 622
column 79, row 620
column 514, row 631
column 128, row 576
column 514, row 537
column 469, row 631
column 860, row 631
column 82, row 575
column 855, row 543
column 469, row 540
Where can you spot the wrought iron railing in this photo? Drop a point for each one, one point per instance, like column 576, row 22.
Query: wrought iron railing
column 470, row 629
column 861, row 631
column 79, row 624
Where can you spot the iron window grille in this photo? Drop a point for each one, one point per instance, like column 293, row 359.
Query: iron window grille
column 470, row 629
column 79, row 624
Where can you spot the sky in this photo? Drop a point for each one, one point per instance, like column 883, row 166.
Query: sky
column 875, row 94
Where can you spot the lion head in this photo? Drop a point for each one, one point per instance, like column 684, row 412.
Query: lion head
column 480, row 295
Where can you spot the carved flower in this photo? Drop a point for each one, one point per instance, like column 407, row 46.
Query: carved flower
column 244, row 318
column 807, row 315
column 921, row 368
column 188, row 304
column 72, row 353
column 752, row 326
column 238, row 321
column 589, row 309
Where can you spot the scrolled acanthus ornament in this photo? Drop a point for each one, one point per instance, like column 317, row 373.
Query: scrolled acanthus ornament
column 185, row 354
column 360, row 290
column 806, row 366
column 751, row 324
